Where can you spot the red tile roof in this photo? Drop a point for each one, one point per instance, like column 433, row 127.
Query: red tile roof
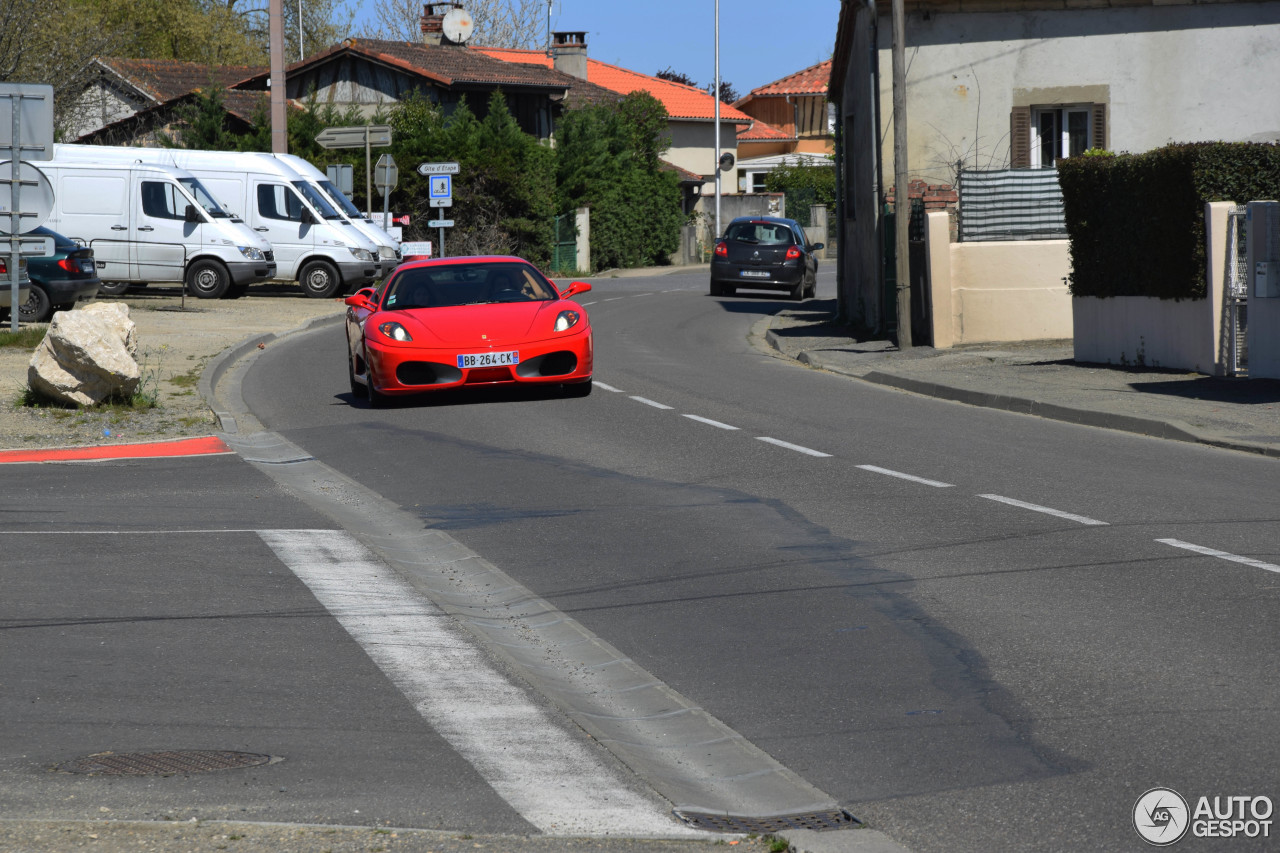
column 164, row 79
column 682, row 102
column 811, row 81
column 758, row 131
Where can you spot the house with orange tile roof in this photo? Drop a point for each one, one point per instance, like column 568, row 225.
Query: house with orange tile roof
column 690, row 110
column 790, row 123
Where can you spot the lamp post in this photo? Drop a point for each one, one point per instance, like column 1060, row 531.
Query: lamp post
column 716, row 95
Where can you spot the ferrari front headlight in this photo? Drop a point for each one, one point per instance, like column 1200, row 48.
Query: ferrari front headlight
column 395, row 331
column 567, row 320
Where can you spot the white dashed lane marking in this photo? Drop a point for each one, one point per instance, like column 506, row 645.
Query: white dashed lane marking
column 1046, row 510
column 789, row 446
column 709, row 422
column 937, row 484
column 1221, row 555
column 649, row 402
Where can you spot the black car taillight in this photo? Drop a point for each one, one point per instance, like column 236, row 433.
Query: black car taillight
column 793, row 254
column 69, row 264
column 722, row 249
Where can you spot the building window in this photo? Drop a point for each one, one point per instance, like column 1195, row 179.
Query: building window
column 1058, row 132
column 1040, row 136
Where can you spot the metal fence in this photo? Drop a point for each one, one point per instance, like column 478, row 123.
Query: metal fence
column 1011, row 204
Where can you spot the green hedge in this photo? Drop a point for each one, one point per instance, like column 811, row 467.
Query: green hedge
column 1136, row 221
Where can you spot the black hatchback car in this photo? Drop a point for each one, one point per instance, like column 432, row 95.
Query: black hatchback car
column 60, row 280
column 764, row 252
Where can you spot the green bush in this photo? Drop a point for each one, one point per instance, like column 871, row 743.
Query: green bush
column 1136, row 221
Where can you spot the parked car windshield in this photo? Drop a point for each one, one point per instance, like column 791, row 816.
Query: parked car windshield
column 204, row 198
column 765, row 233
column 339, row 198
column 317, row 200
column 449, row 285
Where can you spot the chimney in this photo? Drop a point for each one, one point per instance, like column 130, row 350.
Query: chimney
column 569, row 53
column 433, row 21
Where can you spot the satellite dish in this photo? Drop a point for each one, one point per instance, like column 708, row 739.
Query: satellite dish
column 36, row 197
column 458, row 25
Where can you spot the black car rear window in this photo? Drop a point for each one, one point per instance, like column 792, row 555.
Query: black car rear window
column 764, row 233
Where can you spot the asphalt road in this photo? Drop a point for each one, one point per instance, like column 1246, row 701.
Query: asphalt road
column 973, row 629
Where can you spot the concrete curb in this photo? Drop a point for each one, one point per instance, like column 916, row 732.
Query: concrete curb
column 1173, row 430
column 225, row 410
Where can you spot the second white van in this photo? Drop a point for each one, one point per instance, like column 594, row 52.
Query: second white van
column 149, row 223
column 314, row 244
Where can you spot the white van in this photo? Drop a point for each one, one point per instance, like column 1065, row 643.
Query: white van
column 314, row 244
column 388, row 246
column 148, row 223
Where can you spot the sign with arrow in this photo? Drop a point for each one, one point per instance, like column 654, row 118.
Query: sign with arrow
column 355, row 136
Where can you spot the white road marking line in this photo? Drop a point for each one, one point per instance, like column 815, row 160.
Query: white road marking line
column 592, row 302
column 937, row 484
column 1222, row 555
column 649, row 402
column 615, row 299
column 703, row 420
column 638, row 295
column 1046, row 510
column 552, row 779
column 789, row 446
column 600, row 384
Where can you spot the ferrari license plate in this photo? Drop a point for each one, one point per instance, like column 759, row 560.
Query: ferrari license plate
column 754, row 273
column 489, row 359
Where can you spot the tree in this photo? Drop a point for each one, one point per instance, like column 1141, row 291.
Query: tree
column 804, row 185
column 728, row 94
column 608, row 158
column 498, row 23
column 54, row 42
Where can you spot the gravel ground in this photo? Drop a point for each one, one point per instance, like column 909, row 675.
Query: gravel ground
column 176, row 339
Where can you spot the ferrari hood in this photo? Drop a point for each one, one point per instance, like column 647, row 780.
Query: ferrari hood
column 489, row 325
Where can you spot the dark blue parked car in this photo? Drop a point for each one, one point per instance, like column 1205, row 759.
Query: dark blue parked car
column 60, row 280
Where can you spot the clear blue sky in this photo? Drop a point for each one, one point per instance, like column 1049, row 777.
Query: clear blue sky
column 759, row 41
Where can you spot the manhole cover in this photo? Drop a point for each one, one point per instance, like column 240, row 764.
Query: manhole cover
column 819, row 821
column 162, row 763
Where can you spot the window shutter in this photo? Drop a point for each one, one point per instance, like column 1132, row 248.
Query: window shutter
column 1099, row 139
column 1020, row 138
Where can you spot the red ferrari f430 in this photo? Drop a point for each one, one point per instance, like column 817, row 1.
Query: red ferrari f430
column 466, row 321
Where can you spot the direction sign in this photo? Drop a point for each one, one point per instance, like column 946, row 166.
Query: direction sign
column 440, row 223
column 441, row 202
column 33, row 103
column 354, row 136
column 437, row 168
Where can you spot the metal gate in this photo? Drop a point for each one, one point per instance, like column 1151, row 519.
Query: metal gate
column 1235, row 314
column 564, row 252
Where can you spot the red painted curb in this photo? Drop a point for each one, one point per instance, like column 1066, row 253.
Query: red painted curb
column 180, row 447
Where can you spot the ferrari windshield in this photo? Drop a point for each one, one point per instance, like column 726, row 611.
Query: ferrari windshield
column 481, row 283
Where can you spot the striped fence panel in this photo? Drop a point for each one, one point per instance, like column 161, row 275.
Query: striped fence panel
column 1011, row 204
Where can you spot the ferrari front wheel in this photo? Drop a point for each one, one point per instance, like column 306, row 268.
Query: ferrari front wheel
column 358, row 389
column 578, row 389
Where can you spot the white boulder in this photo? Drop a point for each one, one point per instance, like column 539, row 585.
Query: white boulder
column 87, row 356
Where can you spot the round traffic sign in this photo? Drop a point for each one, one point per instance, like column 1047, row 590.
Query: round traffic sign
column 35, row 195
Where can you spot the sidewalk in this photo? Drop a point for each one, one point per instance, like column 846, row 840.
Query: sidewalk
column 1041, row 378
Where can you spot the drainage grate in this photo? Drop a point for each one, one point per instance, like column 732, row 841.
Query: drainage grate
column 162, row 763
column 818, row 821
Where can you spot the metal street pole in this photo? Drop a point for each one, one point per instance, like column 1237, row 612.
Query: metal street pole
column 901, row 197
column 716, row 95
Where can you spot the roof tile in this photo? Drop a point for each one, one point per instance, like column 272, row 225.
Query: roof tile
column 811, row 81
column 681, row 101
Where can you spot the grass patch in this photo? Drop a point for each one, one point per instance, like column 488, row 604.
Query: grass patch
column 28, row 337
